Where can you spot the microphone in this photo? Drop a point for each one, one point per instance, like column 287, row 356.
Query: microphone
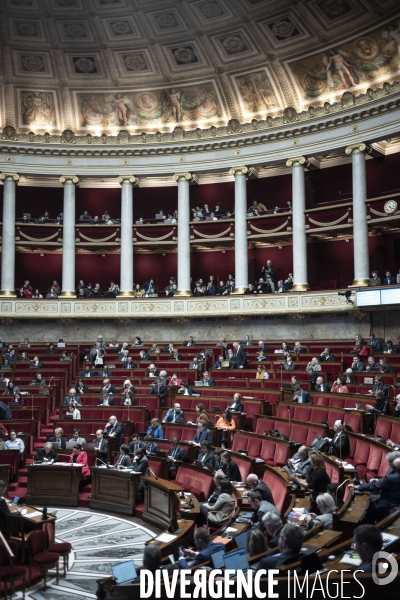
column 338, row 488
column 152, row 473
column 106, row 464
column 52, row 377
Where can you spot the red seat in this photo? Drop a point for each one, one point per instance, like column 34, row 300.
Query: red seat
column 198, row 483
column 278, row 489
column 332, row 472
column 384, row 428
column 336, row 401
column 317, row 416
column 361, row 453
column 298, row 433
column 171, row 431
column 281, row 455
column 39, row 557
column 302, row 413
column 267, row 451
column 254, row 447
column 62, row 548
column 354, row 420
column 244, row 467
column 264, row 425
column 320, row 401
column 9, row 572
column 240, row 442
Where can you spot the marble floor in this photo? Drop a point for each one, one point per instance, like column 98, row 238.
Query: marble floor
column 98, row 541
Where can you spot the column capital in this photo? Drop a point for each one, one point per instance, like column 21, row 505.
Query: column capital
column 243, row 170
column 128, row 179
column 69, row 179
column 183, row 177
column 360, row 148
column 298, row 161
column 9, row 177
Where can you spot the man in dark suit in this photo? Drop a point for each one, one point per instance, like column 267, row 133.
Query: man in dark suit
column 247, row 341
column 87, row 372
column 104, row 372
column 185, row 390
column 367, row 541
column 321, row 386
column 46, row 454
column 358, row 365
column 176, row 452
column 5, row 412
column 205, row 455
column 290, row 543
column 204, row 549
column 100, row 446
column 237, row 404
column 72, row 396
column 389, row 279
column 261, row 507
column 326, row 356
column 196, row 365
column 159, row 388
column 207, row 380
column 135, row 444
column 152, row 557
column 273, row 527
column 143, row 355
column 256, row 485
column 262, row 347
column 241, row 360
column 189, row 341
column 339, row 445
column 108, row 387
column 106, row 400
column 301, row 396
column 151, row 447
column 115, row 429
column 388, row 488
column 36, row 363
column 202, row 434
column 173, row 414
column 289, row 364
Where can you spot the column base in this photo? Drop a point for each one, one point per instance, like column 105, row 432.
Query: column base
column 300, row 287
column 238, row 291
column 359, row 283
column 184, row 293
column 67, row 294
column 128, row 294
column 7, row 294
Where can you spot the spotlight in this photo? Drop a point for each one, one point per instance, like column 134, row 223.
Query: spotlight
column 347, row 294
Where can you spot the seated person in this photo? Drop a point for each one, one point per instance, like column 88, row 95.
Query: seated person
column 123, row 459
column 260, row 507
column 301, row 396
column 230, row 468
column 204, row 549
column 155, row 430
column 320, row 385
column 206, row 456
column 337, row 493
column 290, row 543
column 273, row 526
column 203, row 434
column 173, row 414
column 152, row 557
column 72, row 397
column 339, row 445
column 340, row 387
column 80, row 456
column 15, row 443
column 108, row 387
column 81, row 388
column 381, row 406
column 289, row 364
column 256, row 485
column 237, row 404
column 176, row 452
column 299, row 464
column 46, row 454
column 140, row 464
column 326, row 507
column 378, row 386
column 151, row 446
column 388, row 490
column 128, row 399
column 201, row 414
column 317, row 479
column 59, row 437
column 185, row 390
column 106, row 400
column 39, row 380
column 220, row 512
column 367, row 541
column 87, row 372
column 135, row 443
column 207, row 380
column 225, row 423
column 73, row 412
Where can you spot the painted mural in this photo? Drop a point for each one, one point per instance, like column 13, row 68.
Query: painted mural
column 370, row 58
column 183, row 104
column 38, row 108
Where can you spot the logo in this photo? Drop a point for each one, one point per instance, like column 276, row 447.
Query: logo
column 384, row 568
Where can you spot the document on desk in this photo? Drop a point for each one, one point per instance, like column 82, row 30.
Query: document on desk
column 166, row 538
column 33, row 514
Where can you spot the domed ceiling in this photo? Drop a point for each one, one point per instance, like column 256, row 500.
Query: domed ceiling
column 106, row 66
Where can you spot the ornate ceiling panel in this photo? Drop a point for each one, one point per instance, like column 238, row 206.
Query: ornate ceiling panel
column 103, row 66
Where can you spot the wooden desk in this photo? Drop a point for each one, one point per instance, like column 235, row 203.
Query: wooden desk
column 114, row 490
column 161, row 502
column 54, row 485
column 34, row 523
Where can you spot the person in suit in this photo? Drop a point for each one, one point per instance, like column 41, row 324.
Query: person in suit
column 326, row 356
column 339, row 445
column 159, row 388
column 290, row 543
column 378, row 386
column 185, row 390
column 123, row 461
column 207, row 381
column 241, row 359
column 388, row 488
column 81, row 388
column 135, row 444
column 189, row 341
column 173, row 414
column 388, row 348
column 100, row 446
column 237, row 404
column 196, row 365
column 59, row 437
column 104, row 372
column 152, row 371
column 151, row 446
column 357, row 365
column 382, row 406
column 218, row 362
column 301, row 396
column 221, row 510
column 107, row 387
column 273, row 526
column 80, row 456
column 140, row 464
column 114, row 429
column 321, row 386
column 205, row 548
column 77, row 438
column 73, row 397
column 152, row 557
column 260, row 507
column 289, row 365
column 148, row 285
column 206, row 457
column 298, row 348
column 317, row 479
column 371, row 364
column 176, row 356
column 143, row 355
column 374, row 343
column 5, row 412
column 36, row 363
column 247, row 341
column 46, row 454
column 367, row 540
column 256, row 485
column 202, row 434
column 176, row 452
column 300, row 463
column 230, row 468
column 106, row 400
column 389, row 279
column 87, row 372
column 155, row 430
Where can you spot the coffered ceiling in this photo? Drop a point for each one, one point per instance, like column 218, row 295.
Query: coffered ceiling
column 104, row 66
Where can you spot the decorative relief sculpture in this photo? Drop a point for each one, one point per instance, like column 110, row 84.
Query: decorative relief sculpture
column 38, row 108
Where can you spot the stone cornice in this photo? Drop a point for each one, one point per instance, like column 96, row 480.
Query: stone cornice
column 131, row 179
column 359, row 148
column 183, row 177
column 9, row 177
column 297, row 161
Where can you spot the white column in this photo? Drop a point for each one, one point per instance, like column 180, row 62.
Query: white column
column 183, row 180
column 300, row 277
column 68, row 257
column 241, row 255
column 360, row 225
column 8, row 235
column 126, row 266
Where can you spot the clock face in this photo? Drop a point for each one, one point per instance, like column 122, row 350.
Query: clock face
column 390, row 207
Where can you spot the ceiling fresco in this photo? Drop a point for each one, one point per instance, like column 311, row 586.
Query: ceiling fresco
column 103, row 66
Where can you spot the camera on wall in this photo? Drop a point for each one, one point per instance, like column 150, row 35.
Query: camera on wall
column 347, row 294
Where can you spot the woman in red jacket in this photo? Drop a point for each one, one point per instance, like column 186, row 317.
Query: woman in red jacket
column 80, row 456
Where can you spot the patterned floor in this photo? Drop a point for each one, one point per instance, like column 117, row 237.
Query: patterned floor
column 98, row 542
